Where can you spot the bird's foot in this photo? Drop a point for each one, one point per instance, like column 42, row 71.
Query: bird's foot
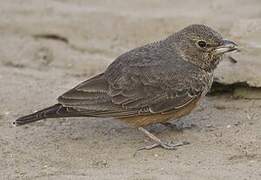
column 164, row 145
column 159, row 143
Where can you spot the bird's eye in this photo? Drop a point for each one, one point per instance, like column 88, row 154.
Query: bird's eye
column 202, row 44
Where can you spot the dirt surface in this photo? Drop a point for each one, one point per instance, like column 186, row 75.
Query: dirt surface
column 47, row 47
column 224, row 134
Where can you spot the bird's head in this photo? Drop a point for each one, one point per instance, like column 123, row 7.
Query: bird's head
column 202, row 46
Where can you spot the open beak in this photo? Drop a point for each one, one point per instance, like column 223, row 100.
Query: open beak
column 227, row 46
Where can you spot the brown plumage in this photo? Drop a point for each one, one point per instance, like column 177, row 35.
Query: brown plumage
column 150, row 84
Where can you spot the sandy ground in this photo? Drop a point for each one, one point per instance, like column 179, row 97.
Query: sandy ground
column 224, row 134
column 35, row 68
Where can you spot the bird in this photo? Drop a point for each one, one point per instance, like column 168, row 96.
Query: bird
column 154, row 83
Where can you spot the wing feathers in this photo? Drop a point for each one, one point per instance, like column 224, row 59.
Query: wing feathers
column 96, row 97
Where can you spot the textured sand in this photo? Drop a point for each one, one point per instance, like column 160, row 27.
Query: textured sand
column 35, row 68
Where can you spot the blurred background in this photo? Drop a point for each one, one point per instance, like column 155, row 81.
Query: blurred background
column 49, row 46
column 83, row 36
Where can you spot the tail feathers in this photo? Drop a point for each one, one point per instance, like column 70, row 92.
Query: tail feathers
column 55, row 111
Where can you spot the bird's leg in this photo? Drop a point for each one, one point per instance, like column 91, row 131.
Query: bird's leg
column 159, row 143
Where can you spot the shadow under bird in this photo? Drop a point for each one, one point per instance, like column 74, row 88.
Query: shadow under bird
column 151, row 84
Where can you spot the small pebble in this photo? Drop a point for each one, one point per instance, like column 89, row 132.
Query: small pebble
column 209, row 125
